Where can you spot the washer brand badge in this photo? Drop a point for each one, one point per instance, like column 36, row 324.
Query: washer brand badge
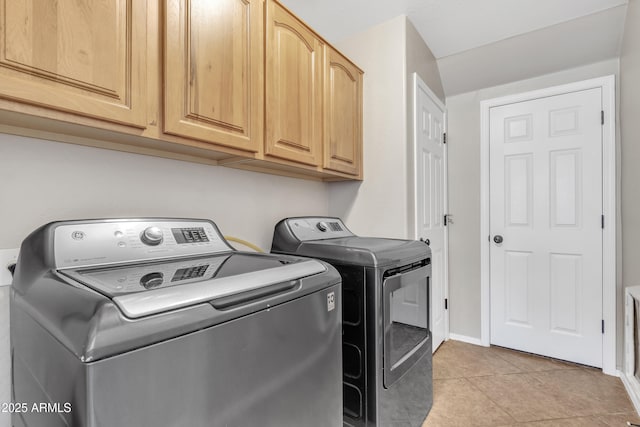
column 331, row 301
column 78, row 235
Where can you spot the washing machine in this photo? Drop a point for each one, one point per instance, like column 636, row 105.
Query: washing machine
column 386, row 344
column 160, row 323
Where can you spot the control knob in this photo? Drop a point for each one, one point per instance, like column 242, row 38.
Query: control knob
column 322, row 226
column 151, row 236
column 152, row 280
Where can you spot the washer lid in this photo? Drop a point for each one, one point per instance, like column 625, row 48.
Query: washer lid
column 329, row 239
column 150, row 288
column 368, row 251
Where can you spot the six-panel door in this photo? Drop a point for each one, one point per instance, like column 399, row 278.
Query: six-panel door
column 430, row 163
column 294, row 84
column 213, row 71
column 80, row 56
column 546, row 231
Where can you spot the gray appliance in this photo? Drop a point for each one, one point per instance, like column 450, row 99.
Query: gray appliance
column 160, row 323
column 387, row 370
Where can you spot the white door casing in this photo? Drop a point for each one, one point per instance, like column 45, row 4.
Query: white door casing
column 546, row 205
column 607, row 86
column 430, row 171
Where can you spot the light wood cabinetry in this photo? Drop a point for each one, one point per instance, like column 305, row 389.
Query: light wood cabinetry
column 213, row 71
column 294, row 88
column 81, row 56
column 343, row 115
column 238, row 83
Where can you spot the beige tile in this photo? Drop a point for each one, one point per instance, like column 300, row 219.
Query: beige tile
column 495, row 386
column 457, row 403
column 460, row 360
column 531, row 363
column 556, row 394
column 566, row 422
column 524, row 397
column 617, row 420
column 587, row 391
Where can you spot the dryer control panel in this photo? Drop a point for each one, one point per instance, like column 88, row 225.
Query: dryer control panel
column 91, row 243
column 317, row 228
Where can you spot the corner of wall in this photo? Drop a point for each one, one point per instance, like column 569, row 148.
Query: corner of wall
column 379, row 51
column 420, row 60
column 629, row 111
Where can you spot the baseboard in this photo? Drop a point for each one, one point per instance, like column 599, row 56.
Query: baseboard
column 464, row 338
column 633, row 389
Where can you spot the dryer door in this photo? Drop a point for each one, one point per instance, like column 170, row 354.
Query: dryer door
column 406, row 321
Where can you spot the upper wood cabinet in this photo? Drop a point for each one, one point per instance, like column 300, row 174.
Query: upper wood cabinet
column 343, row 119
column 240, row 83
column 294, row 88
column 214, row 71
column 86, row 57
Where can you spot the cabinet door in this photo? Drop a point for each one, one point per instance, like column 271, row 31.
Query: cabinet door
column 343, row 120
column 295, row 62
column 213, row 71
column 82, row 56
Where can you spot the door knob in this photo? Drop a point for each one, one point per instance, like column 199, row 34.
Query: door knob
column 498, row 238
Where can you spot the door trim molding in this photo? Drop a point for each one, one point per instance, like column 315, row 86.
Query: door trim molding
column 607, row 84
column 418, row 82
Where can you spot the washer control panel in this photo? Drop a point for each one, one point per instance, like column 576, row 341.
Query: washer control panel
column 78, row 244
column 317, row 228
column 140, row 277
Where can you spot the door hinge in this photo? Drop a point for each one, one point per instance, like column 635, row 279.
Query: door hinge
column 602, row 221
column 446, row 303
column 602, row 117
column 603, row 326
column 444, row 138
column 445, row 220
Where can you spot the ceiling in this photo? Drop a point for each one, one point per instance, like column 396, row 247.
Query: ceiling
column 459, row 32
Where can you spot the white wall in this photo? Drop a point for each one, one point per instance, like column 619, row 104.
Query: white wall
column 630, row 124
column 5, row 355
column 464, row 188
column 377, row 206
column 420, row 60
column 42, row 181
column 389, row 54
column 585, row 40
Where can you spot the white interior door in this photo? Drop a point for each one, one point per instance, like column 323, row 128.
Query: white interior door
column 546, row 206
column 430, row 173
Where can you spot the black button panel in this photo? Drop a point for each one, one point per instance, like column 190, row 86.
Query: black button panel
column 189, row 235
column 190, row 273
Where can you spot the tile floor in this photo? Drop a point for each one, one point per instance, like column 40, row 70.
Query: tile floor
column 479, row 386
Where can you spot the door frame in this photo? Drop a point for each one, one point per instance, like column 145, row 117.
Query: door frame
column 607, row 84
column 418, row 82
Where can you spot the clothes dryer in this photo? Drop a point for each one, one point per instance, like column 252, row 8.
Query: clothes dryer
column 387, row 367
